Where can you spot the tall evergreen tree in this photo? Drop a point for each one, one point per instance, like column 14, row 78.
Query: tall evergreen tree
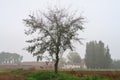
column 97, row 56
column 108, row 60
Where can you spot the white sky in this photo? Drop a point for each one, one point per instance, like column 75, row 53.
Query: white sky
column 102, row 16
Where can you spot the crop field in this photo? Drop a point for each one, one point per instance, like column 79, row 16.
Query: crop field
column 112, row 74
column 21, row 74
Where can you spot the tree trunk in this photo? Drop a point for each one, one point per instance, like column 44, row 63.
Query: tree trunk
column 56, row 64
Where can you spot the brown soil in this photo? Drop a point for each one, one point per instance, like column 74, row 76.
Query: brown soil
column 9, row 76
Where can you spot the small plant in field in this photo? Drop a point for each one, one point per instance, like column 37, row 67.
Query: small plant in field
column 31, row 78
column 32, row 69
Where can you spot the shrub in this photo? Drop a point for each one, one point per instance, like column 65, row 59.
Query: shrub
column 32, row 68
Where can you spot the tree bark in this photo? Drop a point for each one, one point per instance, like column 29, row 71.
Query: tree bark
column 56, row 64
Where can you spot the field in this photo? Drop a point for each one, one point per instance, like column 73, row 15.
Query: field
column 31, row 74
column 112, row 74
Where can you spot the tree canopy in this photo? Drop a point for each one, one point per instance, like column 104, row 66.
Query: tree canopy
column 74, row 58
column 54, row 32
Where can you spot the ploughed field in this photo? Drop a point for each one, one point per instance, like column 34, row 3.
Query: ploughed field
column 31, row 74
column 113, row 74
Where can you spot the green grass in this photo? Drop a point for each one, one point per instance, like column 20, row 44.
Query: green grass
column 51, row 76
column 94, row 78
column 61, row 76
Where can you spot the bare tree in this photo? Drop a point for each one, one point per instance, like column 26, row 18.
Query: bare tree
column 55, row 31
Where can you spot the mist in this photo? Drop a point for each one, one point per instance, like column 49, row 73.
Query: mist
column 102, row 23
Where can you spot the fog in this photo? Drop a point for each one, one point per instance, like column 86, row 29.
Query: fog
column 102, row 23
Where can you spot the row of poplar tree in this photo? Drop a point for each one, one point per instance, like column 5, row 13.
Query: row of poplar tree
column 10, row 58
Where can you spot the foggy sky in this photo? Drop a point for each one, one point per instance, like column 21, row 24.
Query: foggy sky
column 102, row 23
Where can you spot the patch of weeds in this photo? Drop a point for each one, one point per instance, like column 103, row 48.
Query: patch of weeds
column 21, row 72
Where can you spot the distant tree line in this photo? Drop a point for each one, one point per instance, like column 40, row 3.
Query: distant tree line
column 6, row 57
column 97, row 57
